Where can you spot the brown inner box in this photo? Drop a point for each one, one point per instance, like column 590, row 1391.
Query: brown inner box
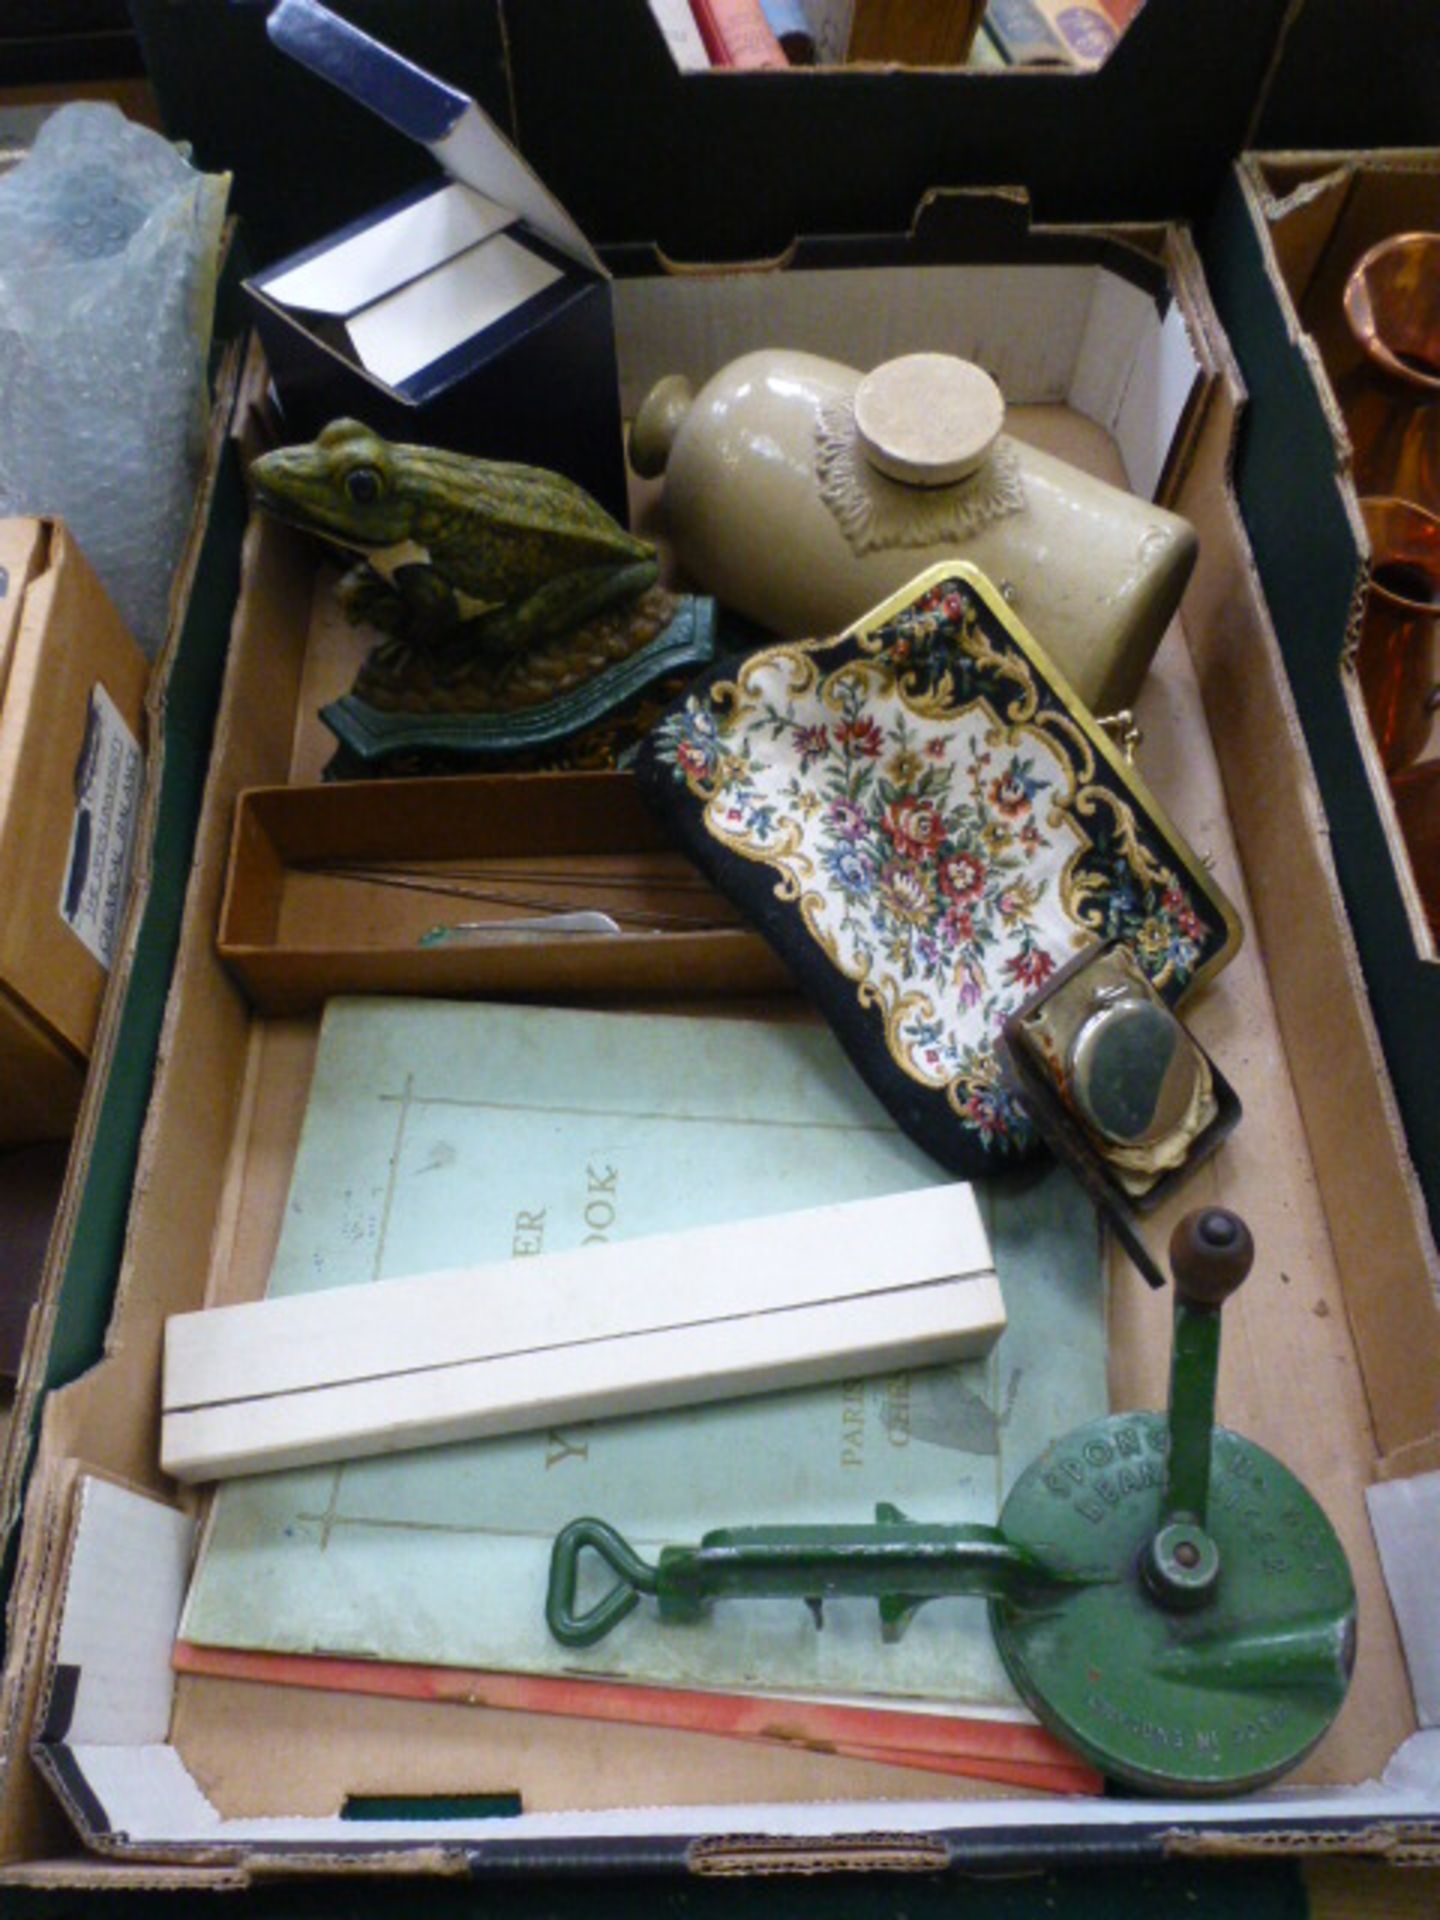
column 510, row 847
column 221, row 1138
column 1328, row 216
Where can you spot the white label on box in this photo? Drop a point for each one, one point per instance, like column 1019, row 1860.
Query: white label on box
column 109, row 780
column 390, row 253
column 417, row 326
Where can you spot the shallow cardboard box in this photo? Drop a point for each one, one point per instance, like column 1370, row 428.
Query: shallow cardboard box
column 1280, row 247
column 294, row 930
column 223, row 1780
column 72, row 691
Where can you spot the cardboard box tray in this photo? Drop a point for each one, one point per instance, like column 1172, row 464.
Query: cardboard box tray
column 208, row 1773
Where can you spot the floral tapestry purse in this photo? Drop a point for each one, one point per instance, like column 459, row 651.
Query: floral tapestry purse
column 926, row 824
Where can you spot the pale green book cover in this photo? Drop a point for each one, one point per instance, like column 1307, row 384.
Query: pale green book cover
column 440, row 1133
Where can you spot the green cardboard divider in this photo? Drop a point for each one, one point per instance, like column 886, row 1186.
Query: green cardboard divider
column 192, row 697
column 96, row 1239
column 474, row 1806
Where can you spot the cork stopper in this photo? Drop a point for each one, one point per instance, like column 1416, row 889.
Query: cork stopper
column 928, row 419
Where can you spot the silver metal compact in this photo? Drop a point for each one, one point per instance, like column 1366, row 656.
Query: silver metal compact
column 1117, row 1085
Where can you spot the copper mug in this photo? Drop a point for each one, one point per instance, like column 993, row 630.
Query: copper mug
column 1391, row 401
column 1396, row 659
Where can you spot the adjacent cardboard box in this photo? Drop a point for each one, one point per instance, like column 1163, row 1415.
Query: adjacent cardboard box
column 733, row 165
column 471, row 313
column 721, row 166
column 1280, row 247
column 219, row 1781
column 72, row 768
column 839, row 31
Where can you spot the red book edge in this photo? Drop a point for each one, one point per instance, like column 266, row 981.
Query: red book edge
column 737, row 34
column 1011, row 1753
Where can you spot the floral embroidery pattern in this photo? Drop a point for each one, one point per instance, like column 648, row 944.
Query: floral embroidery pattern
column 944, row 827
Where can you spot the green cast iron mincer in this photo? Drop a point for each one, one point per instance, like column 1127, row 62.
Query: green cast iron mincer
column 1166, row 1596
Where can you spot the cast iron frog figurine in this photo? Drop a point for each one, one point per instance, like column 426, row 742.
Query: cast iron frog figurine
column 515, row 612
column 461, row 554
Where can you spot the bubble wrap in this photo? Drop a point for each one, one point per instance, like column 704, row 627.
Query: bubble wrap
column 109, row 245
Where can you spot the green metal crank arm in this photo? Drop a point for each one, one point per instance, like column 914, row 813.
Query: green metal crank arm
column 898, row 1562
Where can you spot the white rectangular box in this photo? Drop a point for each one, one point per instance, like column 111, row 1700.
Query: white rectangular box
column 666, row 1320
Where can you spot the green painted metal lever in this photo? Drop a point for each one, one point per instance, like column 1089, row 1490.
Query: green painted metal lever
column 899, row 1562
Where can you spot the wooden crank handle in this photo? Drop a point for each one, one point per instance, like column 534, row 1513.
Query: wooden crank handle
column 1211, row 1252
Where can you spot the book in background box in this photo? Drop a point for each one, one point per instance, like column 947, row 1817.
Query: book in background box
column 737, row 34
column 985, row 53
column 790, row 24
column 1024, row 35
column 682, row 35
column 937, row 34
column 1086, row 28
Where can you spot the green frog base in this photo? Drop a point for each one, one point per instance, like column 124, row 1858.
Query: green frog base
column 405, row 713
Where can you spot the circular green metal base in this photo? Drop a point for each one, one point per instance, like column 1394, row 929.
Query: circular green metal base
column 1218, row 1696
